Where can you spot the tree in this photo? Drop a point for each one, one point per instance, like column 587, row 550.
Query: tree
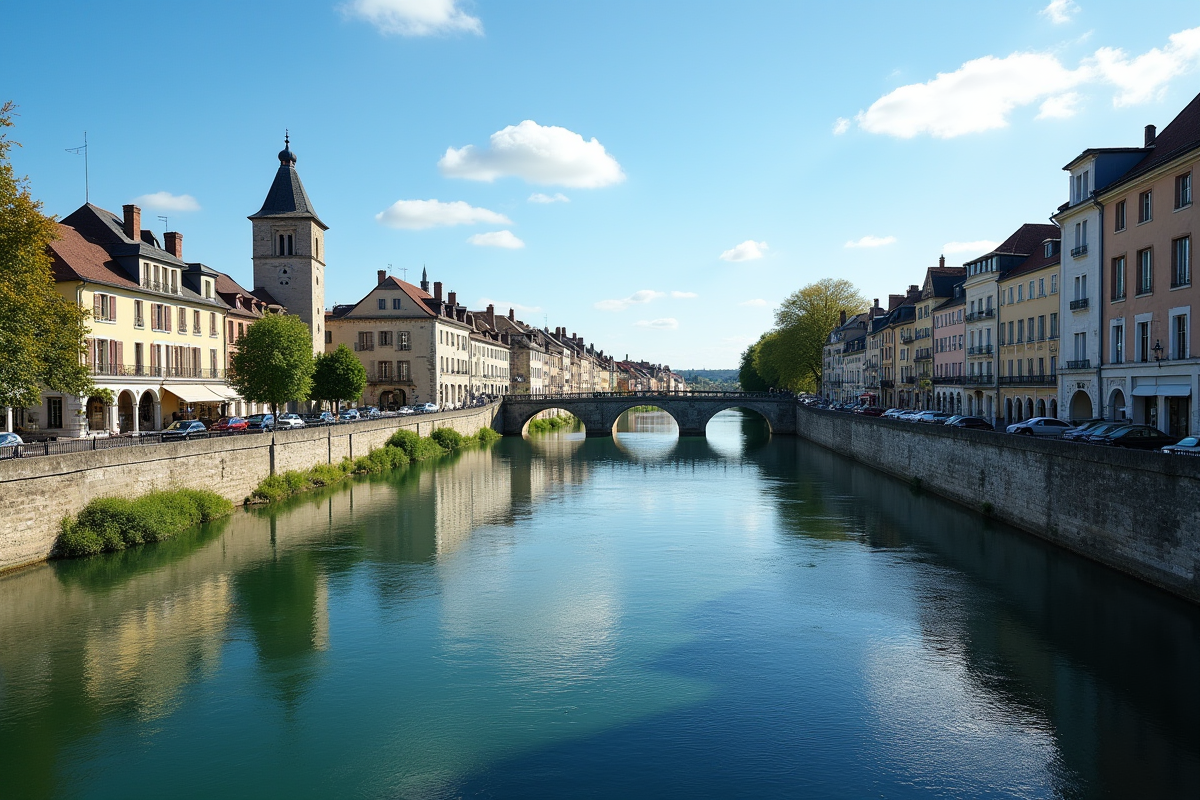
column 41, row 332
column 273, row 361
column 338, row 376
column 748, row 375
column 791, row 356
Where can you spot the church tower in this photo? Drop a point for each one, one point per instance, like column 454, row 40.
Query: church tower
column 289, row 248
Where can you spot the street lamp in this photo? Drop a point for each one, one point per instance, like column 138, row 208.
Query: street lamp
column 1158, row 348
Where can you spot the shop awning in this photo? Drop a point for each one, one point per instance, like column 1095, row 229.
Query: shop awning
column 192, row 392
column 222, row 392
column 1162, row 390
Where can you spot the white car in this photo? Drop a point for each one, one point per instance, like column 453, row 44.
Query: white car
column 289, row 421
column 1043, row 427
column 429, row 408
column 1189, row 445
column 405, row 411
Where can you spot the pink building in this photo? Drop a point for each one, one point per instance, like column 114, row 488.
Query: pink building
column 949, row 354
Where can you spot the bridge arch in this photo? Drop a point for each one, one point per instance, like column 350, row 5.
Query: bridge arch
column 530, row 419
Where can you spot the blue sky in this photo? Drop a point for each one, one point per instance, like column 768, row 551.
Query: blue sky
column 774, row 134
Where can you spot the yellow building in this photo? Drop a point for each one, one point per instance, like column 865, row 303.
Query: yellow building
column 1028, row 329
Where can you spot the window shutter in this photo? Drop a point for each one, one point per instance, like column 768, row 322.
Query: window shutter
column 120, row 359
column 112, row 308
column 95, row 305
column 91, row 345
column 112, row 351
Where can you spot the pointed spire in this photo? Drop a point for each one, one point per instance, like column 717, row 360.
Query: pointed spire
column 424, row 280
column 286, row 197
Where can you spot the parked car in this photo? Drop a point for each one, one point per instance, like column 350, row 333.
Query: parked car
column 185, row 429
column 370, row 412
column 260, row 422
column 869, row 411
column 1189, row 445
column 934, row 417
column 428, row 408
column 909, row 415
column 348, row 415
column 892, row 413
column 290, row 420
column 230, row 424
column 1042, row 427
column 1083, row 429
column 1098, row 433
column 10, row 445
column 405, row 411
column 1139, row 437
column 975, row 423
column 318, row 418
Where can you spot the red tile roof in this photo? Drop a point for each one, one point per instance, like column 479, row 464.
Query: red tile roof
column 75, row 258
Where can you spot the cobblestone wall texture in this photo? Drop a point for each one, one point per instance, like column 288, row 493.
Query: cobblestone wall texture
column 1138, row 512
column 37, row 493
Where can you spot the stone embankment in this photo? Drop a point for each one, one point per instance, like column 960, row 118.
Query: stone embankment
column 1134, row 511
column 37, row 493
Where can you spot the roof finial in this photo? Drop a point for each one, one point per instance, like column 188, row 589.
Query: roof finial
column 286, row 141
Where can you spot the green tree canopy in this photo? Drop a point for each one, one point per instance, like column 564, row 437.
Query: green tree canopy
column 748, row 375
column 273, row 361
column 791, row 356
column 41, row 331
column 338, row 376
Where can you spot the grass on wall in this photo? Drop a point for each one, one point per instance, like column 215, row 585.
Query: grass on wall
column 109, row 524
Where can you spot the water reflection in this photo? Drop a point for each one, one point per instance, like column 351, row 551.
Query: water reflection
column 733, row 614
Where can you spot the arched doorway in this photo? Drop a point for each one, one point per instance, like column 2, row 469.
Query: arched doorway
column 125, row 411
column 1054, row 408
column 146, row 412
column 1008, row 409
column 96, row 413
column 1028, row 408
column 1081, row 406
column 1041, row 408
column 1116, row 406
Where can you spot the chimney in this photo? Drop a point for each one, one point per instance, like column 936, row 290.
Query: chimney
column 452, row 299
column 1150, row 134
column 573, row 336
column 942, row 261
column 491, row 315
column 381, row 275
column 437, row 291
column 173, row 240
column 133, row 222
column 843, row 316
column 512, row 315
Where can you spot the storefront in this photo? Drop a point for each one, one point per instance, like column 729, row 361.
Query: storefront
column 205, row 402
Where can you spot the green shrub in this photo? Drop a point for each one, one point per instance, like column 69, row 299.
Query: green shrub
column 408, row 441
column 326, row 474
column 487, row 436
column 447, row 438
column 271, row 489
column 108, row 524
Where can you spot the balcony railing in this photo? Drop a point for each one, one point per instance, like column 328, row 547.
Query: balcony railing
column 1085, row 363
column 980, row 350
column 1080, row 304
column 948, row 380
column 1076, row 252
column 922, row 334
column 145, row 371
column 979, row 380
column 363, row 346
column 923, row 354
column 887, row 384
column 906, row 336
column 1028, row 380
column 986, row 313
column 909, row 379
column 159, row 286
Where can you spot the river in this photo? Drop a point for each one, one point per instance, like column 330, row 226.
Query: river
column 641, row 616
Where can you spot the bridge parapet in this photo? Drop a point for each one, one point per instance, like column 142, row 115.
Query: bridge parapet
column 598, row 411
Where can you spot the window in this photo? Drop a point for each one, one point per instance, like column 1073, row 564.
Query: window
column 382, row 303
column 1080, row 342
column 54, row 417
column 212, row 323
column 1145, row 207
column 1118, row 344
column 402, row 371
column 241, row 330
column 281, row 250
column 1118, row 278
column 1119, row 217
column 1053, row 284
column 385, row 338
column 1054, row 325
column 402, row 342
column 1145, row 271
column 1041, row 287
column 1179, row 336
column 1143, row 341
column 366, row 340
column 328, row 337
column 212, row 363
column 196, row 322
column 138, row 320
column 1181, row 262
column 396, row 304
column 1042, row 328
column 174, row 281
column 385, row 370
column 104, row 307
column 1183, row 191
column 1020, row 293
column 1020, row 330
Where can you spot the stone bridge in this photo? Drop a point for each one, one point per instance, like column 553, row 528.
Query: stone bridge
column 691, row 410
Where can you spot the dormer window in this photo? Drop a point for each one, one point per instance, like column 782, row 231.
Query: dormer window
column 1080, row 187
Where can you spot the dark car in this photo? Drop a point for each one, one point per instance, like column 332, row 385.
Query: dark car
column 318, row 418
column 869, row 411
column 1096, row 435
column 975, row 423
column 230, row 424
column 185, row 429
column 260, row 422
column 1139, row 437
column 1085, row 429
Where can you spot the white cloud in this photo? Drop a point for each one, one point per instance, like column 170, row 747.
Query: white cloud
column 415, row 215
column 840, row 126
column 684, row 295
column 538, row 154
column 165, row 201
column 504, row 239
column 872, row 241
column 1061, row 106
column 757, row 302
column 414, row 17
column 557, row 197
column 502, row 307
column 663, row 324
column 748, row 250
column 637, row 298
column 1060, row 11
column 1145, row 78
column 981, row 94
column 978, row 246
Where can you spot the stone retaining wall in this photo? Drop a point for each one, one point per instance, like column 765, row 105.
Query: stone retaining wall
column 37, row 493
column 1138, row 512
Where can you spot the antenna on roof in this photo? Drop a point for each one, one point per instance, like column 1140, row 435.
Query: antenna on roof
column 83, row 149
column 404, row 270
column 165, row 221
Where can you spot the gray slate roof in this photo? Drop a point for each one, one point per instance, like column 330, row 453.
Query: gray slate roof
column 287, row 197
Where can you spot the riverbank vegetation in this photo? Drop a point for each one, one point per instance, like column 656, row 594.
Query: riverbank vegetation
column 790, row 355
column 109, row 524
column 559, row 422
column 402, row 448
